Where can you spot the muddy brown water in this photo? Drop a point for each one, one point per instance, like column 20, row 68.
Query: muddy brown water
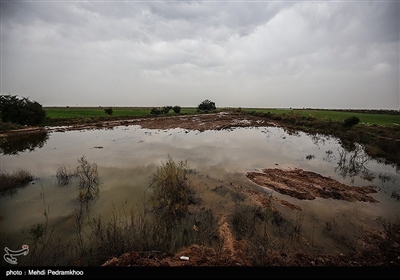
column 127, row 156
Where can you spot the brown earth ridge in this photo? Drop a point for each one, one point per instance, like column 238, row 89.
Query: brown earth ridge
column 202, row 122
column 303, row 184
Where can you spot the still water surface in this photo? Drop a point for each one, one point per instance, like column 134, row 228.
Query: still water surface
column 127, row 156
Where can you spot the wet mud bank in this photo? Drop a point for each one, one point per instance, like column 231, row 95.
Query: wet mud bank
column 309, row 185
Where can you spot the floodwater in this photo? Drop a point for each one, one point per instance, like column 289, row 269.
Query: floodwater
column 127, row 156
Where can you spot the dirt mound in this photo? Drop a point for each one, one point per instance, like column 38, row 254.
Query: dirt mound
column 303, row 184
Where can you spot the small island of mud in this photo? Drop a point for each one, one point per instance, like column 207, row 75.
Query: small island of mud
column 308, row 185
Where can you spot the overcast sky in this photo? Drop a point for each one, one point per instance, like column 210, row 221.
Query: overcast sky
column 319, row 54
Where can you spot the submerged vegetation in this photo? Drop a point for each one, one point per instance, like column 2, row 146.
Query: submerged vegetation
column 88, row 176
column 89, row 180
column 147, row 230
column 171, row 187
column 379, row 142
column 11, row 182
column 64, row 175
column 253, row 234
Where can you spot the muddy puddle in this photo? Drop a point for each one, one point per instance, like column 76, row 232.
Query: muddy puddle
column 221, row 160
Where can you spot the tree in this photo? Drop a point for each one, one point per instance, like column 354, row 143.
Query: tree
column 206, row 105
column 21, row 110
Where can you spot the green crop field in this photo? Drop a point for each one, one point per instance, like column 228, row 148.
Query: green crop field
column 79, row 112
column 365, row 118
column 82, row 112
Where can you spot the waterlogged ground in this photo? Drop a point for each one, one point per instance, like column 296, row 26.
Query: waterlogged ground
column 224, row 161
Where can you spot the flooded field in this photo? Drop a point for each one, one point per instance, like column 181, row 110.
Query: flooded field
column 127, row 156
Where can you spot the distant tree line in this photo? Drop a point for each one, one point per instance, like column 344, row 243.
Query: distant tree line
column 21, row 110
column 204, row 107
column 165, row 110
column 366, row 111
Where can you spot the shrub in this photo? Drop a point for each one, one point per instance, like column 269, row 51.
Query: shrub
column 155, row 111
column 171, row 187
column 166, row 109
column 64, row 175
column 108, row 111
column 177, row 109
column 351, row 121
column 89, row 180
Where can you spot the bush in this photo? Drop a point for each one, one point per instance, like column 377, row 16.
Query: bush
column 155, row 111
column 21, row 110
column 108, row 111
column 206, row 105
column 171, row 187
column 351, row 121
column 89, row 180
column 177, row 109
column 64, row 175
column 166, row 109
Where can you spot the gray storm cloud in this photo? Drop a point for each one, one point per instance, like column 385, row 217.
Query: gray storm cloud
column 248, row 54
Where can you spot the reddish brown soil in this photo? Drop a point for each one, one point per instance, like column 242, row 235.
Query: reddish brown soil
column 303, row 184
column 193, row 122
column 200, row 122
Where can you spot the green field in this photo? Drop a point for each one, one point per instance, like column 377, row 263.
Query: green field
column 79, row 112
column 82, row 112
column 365, row 118
column 378, row 119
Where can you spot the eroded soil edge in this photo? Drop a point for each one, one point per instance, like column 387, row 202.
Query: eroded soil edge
column 303, row 184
